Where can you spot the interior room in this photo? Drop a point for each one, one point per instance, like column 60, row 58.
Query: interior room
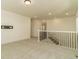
column 39, row 29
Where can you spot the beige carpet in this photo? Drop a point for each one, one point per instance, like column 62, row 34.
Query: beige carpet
column 31, row 49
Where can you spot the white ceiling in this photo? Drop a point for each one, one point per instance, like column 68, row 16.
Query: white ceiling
column 41, row 8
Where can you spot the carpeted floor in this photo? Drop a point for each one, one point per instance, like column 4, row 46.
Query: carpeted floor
column 31, row 49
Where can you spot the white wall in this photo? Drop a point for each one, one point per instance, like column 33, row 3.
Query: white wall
column 55, row 24
column 21, row 27
column 62, row 24
column 35, row 27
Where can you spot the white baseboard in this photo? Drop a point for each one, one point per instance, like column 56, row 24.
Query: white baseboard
column 12, row 41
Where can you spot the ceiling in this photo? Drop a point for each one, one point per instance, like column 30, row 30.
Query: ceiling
column 41, row 8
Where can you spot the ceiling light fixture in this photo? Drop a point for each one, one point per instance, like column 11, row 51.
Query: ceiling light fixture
column 49, row 13
column 35, row 16
column 67, row 13
column 27, row 2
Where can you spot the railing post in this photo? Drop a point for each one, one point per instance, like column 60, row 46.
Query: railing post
column 38, row 36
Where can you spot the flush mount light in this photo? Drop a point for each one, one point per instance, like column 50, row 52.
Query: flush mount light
column 27, row 2
column 35, row 16
column 67, row 13
column 49, row 13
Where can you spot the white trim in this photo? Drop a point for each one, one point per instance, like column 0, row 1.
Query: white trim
column 57, row 31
